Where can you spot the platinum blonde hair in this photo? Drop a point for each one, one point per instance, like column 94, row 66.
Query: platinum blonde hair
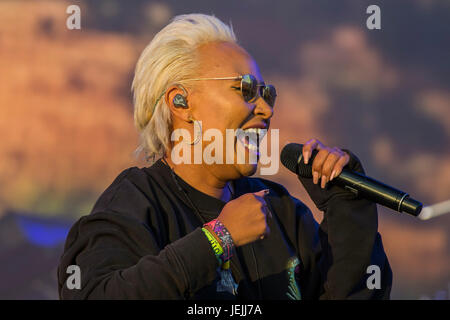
column 168, row 59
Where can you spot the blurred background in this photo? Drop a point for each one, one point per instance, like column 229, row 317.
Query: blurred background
column 66, row 116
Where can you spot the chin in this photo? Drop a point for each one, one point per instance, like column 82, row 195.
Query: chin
column 247, row 169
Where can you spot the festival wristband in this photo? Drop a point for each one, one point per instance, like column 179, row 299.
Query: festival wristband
column 225, row 237
column 224, row 264
column 218, row 251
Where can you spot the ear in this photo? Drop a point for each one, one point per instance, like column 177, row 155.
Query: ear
column 177, row 112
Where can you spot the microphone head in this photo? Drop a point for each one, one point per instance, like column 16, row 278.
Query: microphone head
column 411, row 206
column 292, row 158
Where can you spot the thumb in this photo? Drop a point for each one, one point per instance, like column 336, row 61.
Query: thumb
column 261, row 193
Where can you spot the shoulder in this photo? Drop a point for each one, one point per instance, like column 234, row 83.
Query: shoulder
column 133, row 193
column 122, row 205
column 135, row 189
column 125, row 180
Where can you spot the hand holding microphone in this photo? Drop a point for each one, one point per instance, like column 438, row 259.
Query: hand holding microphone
column 327, row 162
column 295, row 158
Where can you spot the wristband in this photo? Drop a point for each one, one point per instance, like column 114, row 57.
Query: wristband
column 224, row 235
column 218, row 251
column 219, row 256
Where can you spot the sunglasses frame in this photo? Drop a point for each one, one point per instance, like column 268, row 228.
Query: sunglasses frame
column 241, row 78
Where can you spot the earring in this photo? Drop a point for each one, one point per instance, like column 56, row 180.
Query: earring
column 198, row 130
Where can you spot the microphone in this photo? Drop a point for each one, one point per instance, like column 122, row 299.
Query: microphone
column 359, row 184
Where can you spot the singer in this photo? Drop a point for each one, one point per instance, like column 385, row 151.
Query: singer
column 186, row 230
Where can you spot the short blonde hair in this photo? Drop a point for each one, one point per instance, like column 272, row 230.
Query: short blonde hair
column 168, row 59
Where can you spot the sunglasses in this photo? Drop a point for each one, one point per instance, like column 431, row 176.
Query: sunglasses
column 250, row 88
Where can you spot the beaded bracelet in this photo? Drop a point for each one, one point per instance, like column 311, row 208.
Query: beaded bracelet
column 224, row 235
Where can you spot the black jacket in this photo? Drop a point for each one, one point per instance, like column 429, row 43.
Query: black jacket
column 142, row 240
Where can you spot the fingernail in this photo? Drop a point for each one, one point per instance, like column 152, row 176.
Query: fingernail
column 332, row 175
column 315, row 177
column 306, row 157
column 323, row 182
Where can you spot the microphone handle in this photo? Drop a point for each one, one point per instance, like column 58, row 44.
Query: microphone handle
column 378, row 192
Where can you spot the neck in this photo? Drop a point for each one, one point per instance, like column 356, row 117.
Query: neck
column 200, row 178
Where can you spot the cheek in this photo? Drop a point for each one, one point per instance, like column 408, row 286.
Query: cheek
column 220, row 107
column 224, row 114
column 215, row 118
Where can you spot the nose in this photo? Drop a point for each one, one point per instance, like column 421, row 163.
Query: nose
column 263, row 109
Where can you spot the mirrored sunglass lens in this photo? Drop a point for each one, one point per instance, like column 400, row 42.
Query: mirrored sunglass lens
column 249, row 87
column 269, row 95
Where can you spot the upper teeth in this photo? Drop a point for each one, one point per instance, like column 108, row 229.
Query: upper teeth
column 252, row 129
column 258, row 131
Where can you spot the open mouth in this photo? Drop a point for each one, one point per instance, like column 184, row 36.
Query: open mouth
column 250, row 138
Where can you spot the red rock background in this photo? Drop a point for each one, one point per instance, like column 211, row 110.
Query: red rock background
column 66, row 122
